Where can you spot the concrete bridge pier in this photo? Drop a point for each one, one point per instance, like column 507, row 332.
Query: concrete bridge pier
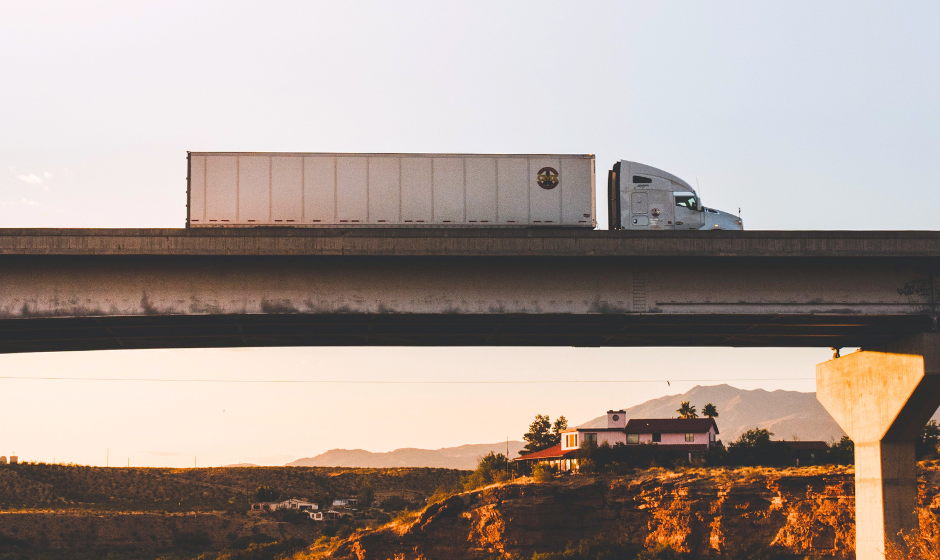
column 883, row 397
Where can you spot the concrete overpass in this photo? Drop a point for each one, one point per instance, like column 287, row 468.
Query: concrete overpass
column 109, row 289
column 112, row 289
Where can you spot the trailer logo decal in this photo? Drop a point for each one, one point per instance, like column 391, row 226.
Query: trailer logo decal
column 547, row 178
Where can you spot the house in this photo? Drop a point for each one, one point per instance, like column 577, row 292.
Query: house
column 301, row 504
column 315, row 515
column 333, row 514
column 807, row 452
column 346, row 502
column 695, row 435
column 297, row 504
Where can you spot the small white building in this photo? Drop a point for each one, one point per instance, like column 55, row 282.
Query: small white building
column 345, row 502
column 315, row 515
column 300, row 504
column 264, row 507
column 3, row 459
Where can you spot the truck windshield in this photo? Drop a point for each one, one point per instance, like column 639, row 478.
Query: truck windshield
column 687, row 201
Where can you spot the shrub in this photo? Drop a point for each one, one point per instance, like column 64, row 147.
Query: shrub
column 542, row 473
column 842, row 453
column 661, row 552
column 754, row 448
column 621, row 458
column 198, row 540
column 241, row 543
column 266, row 494
column 594, row 548
column 494, row 467
column 395, row 503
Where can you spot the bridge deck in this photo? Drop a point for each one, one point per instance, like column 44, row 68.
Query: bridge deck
column 173, row 288
column 468, row 242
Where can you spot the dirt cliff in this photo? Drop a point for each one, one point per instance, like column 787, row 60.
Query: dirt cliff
column 705, row 512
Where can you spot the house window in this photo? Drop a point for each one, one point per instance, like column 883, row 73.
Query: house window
column 633, row 438
column 571, row 440
column 657, row 438
column 590, row 439
column 689, row 437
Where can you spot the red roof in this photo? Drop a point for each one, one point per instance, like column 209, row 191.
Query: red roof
column 669, row 425
column 553, row 452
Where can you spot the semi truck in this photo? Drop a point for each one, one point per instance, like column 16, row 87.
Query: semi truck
column 242, row 189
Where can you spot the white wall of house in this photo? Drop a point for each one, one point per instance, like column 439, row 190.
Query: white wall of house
column 699, row 438
column 570, row 440
column 611, row 438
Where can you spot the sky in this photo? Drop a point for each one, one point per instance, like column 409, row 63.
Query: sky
column 804, row 115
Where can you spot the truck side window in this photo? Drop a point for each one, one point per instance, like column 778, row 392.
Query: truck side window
column 641, row 179
column 687, row 202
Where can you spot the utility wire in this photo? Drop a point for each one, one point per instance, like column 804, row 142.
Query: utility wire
column 403, row 382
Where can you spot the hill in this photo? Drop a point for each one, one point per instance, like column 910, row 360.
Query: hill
column 39, row 485
column 463, row 457
column 783, row 513
column 785, row 413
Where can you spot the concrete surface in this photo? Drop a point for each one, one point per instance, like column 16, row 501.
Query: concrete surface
column 882, row 397
column 470, row 242
column 103, row 289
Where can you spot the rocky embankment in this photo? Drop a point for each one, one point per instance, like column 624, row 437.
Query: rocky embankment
column 705, row 512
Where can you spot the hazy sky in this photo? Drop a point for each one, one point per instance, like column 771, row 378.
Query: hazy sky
column 805, row 115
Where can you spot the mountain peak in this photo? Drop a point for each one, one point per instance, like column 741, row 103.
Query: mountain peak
column 787, row 414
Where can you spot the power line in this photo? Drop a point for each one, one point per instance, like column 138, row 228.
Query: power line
column 404, row 382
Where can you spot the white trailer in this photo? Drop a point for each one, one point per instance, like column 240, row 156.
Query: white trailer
column 229, row 189
column 645, row 198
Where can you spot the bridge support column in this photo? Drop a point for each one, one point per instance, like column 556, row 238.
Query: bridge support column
column 882, row 398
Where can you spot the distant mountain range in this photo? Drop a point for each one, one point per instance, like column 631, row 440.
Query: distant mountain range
column 785, row 413
column 462, row 457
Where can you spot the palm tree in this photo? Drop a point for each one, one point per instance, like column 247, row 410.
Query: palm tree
column 687, row 411
column 710, row 411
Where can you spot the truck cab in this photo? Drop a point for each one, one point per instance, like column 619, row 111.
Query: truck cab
column 647, row 198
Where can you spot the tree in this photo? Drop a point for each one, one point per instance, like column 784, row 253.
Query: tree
column 492, row 468
column 687, row 411
column 395, row 503
column 926, row 444
column 752, row 439
column 541, row 435
column 710, row 411
column 843, row 453
column 266, row 494
column 560, row 425
column 366, row 496
column 755, row 448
